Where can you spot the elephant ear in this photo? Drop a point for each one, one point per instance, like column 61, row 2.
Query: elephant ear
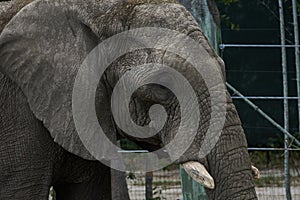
column 41, row 49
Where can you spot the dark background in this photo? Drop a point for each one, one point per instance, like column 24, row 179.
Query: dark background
column 257, row 71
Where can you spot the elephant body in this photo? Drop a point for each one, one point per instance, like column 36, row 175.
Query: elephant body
column 31, row 162
column 42, row 45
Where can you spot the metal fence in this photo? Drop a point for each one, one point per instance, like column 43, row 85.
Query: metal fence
column 166, row 184
column 271, row 185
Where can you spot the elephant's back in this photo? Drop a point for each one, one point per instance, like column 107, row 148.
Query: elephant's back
column 8, row 9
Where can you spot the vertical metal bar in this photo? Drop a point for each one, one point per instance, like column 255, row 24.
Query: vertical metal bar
column 149, row 185
column 285, row 103
column 297, row 52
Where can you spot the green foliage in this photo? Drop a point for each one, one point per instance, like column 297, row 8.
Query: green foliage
column 131, row 176
column 52, row 194
column 269, row 181
column 228, row 23
column 158, row 192
column 225, row 19
column 264, row 159
column 228, row 2
column 297, row 5
column 127, row 144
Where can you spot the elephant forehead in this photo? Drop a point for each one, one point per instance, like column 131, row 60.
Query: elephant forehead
column 125, row 10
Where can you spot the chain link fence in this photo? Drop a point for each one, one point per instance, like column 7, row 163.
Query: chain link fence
column 166, row 184
column 271, row 184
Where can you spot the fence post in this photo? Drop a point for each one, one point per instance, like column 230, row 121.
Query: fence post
column 285, row 103
column 191, row 190
column 149, row 185
column 297, row 54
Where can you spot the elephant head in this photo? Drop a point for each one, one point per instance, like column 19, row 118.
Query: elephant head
column 43, row 47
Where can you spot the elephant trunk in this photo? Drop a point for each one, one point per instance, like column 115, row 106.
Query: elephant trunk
column 229, row 163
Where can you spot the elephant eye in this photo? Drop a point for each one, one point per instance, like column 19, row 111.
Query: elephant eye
column 161, row 93
column 155, row 93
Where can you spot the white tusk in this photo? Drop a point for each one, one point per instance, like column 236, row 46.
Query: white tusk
column 255, row 172
column 198, row 172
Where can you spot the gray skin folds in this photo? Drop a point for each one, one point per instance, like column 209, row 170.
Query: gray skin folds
column 44, row 44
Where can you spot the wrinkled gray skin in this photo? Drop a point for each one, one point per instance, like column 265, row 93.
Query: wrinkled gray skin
column 41, row 49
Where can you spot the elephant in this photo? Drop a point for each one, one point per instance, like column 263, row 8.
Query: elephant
column 42, row 46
